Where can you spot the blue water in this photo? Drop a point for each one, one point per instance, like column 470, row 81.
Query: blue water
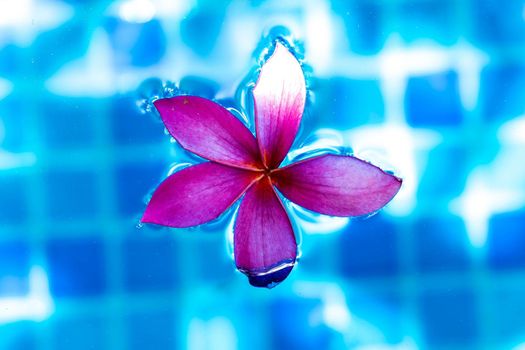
column 430, row 90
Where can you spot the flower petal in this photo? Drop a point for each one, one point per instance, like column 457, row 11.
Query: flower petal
column 197, row 194
column 337, row 185
column 279, row 98
column 264, row 242
column 209, row 130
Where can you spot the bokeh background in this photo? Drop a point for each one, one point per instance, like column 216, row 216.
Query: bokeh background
column 431, row 89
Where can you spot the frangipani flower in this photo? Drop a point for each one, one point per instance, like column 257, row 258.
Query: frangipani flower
column 241, row 165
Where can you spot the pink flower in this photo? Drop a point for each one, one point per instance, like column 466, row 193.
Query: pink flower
column 241, row 165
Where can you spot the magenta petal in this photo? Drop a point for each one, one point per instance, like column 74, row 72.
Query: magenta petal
column 279, row 98
column 337, row 185
column 264, row 242
column 197, row 194
column 209, row 130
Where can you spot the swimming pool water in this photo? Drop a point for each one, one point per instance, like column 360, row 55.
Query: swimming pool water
column 432, row 90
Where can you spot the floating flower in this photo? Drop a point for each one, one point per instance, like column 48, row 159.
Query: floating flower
column 241, row 165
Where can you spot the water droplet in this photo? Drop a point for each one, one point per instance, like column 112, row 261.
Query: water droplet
column 151, row 90
column 270, row 277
